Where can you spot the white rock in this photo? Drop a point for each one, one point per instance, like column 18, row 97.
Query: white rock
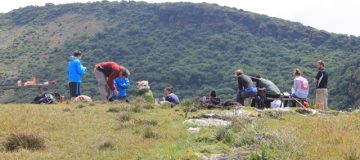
column 203, row 122
column 194, row 130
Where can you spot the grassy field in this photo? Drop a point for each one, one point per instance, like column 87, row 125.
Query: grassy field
column 143, row 131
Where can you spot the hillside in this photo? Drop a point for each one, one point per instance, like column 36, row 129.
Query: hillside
column 143, row 131
column 193, row 47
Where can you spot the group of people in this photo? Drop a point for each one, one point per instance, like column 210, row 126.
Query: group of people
column 300, row 88
column 113, row 82
column 111, row 77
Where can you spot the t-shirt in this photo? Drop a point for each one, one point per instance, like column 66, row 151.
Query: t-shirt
column 302, row 87
column 244, row 81
column 172, row 98
column 322, row 78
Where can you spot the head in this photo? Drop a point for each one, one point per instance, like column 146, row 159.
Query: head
column 320, row 64
column 258, row 76
column 78, row 54
column 212, row 93
column 239, row 72
column 168, row 90
column 124, row 73
column 140, row 85
column 297, row 72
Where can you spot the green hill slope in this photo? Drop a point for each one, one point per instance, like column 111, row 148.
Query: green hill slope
column 193, row 47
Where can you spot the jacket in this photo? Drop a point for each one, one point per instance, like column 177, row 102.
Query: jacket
column 110, row 70
column 121, row 84
column 75, row 70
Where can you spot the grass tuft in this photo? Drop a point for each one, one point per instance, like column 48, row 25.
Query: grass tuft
column 29, row 141
column 80, row 106
column 124, row 117
column 67, row 110
column 114, row 109
column 106, row 145
column 149, row 133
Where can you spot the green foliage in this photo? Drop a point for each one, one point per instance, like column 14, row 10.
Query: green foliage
column 193, row 47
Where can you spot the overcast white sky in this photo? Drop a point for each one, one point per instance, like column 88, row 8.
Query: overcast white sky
column 338, row 16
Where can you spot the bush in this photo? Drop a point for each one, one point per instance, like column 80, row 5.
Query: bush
column 352, row 155
column 67, row 110
column 29, row 141
column 136, row 109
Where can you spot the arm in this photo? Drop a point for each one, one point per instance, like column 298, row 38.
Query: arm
column 316, row 79
column 110, row 80
column 80, row 68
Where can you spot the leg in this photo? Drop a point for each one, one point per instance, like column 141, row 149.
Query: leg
column 239, row 97
column 102, row 85
column 73, row 89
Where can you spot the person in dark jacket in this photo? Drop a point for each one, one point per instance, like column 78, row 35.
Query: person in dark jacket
column 246, row 87
column 271, row 90
column 105, row 73
column 75, row 71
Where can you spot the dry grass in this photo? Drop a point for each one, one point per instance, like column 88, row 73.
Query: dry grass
column 160, row 134
column 29, row 141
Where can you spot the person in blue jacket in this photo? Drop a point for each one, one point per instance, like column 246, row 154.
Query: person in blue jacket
column 75, row 71
column 121, row 84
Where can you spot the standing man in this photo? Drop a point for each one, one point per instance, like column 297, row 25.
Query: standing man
column 105, row 73
column 321, row 81
column 75, row 71
column 246, row 87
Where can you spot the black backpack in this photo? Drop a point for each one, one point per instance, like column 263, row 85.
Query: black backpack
column 45, row 98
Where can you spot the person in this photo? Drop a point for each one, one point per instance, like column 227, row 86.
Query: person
column 75, row 71
column 170, row 97
column 105, row 73
column 271, row 90
column 246, row 86
column 212, row 98
column 121, row 84
column 321, row 81
column 300, row 87
column 144, row 91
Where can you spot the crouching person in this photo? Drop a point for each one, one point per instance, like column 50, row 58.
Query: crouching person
column 105, row 73
column 170, row 97
column 121, row 84
column 144, row 91
column 246, row 86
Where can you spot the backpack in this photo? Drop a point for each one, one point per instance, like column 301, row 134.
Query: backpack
column 45, row 98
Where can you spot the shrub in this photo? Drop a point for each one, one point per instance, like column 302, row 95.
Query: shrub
column 30, row 141
column 147, row 122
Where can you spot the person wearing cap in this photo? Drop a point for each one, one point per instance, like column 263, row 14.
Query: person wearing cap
column 105, row 73
column 75, row 72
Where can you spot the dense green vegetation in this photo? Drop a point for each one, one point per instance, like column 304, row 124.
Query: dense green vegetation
column 193, row 47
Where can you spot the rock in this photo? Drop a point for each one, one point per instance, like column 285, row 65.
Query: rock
column 238, row 156
column 194, row 130
column 202, row 156
column 206, row 122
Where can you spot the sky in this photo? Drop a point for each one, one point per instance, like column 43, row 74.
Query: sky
column 337, row 16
